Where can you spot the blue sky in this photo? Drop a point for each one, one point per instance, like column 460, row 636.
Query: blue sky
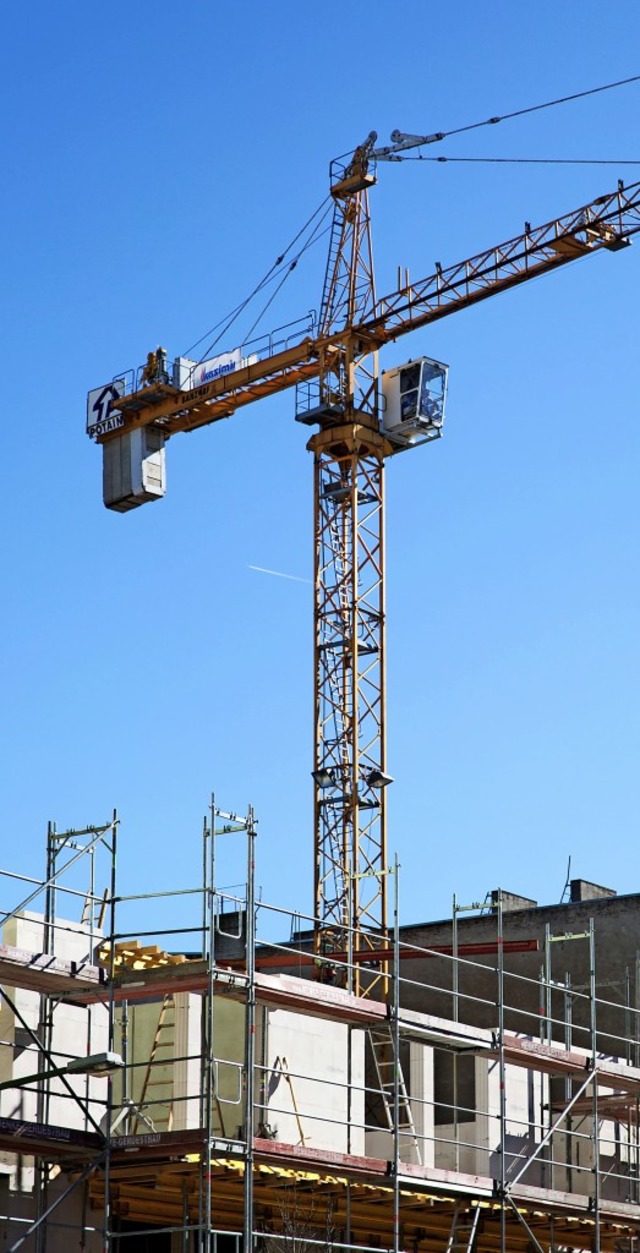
column 157, row 160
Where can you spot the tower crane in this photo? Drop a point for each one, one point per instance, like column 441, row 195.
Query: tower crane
column 361, row 417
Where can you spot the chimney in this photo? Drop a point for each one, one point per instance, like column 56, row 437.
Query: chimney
column 511, row 901
column 582, row 890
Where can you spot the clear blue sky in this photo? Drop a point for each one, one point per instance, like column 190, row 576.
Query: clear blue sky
column 157, row 158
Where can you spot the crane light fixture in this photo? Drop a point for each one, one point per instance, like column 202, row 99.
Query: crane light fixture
column 378, row 779
column 324, row 776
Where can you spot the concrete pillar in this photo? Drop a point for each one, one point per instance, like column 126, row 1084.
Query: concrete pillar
column 186, row 1072
column 421, row 1101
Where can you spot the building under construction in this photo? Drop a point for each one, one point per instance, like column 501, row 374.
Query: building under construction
column 219, row 1085
column 198, row 1070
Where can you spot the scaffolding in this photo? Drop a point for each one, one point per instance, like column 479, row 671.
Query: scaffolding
column 489, row 1103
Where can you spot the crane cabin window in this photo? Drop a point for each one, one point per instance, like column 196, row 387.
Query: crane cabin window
column 409, row 392
column 414, row 400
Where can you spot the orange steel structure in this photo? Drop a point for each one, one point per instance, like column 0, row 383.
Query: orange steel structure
column 337, row 370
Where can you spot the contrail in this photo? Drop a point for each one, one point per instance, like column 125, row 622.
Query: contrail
column 278, row 573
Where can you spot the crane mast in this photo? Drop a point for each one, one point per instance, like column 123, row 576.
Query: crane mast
column 334, row 368
column 349, row 453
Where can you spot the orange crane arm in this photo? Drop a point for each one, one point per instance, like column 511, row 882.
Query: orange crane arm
column 178, row 410
column 607, row 222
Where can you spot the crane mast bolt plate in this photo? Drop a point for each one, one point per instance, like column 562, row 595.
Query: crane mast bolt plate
column 362, row 416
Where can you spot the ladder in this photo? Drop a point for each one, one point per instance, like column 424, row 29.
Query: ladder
column 161, row 1054
column 327, row 308
column 282, row 1065
column 341, row 698
column 464, row 1230
column 389, row 1071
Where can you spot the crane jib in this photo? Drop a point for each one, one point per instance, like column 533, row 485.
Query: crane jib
column 607, row 222
column 181, row 410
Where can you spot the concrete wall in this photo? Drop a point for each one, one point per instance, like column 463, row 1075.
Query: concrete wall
column 76, row 1032
column 470, row 1145
column 478, row 1138
column 167, row 1093
column 306, row 1063
column 301, row 1061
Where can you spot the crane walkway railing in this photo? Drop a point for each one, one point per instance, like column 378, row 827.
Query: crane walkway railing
column 260, row 348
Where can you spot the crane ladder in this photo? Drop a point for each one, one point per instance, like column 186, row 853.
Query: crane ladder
column 345, row 605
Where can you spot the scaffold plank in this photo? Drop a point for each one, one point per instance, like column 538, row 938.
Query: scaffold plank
column 38, row 1139
column 41, row 972
column 552, row 1060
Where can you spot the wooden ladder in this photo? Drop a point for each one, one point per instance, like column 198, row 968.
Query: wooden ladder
column 282, row 1065
column 163, row 1041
